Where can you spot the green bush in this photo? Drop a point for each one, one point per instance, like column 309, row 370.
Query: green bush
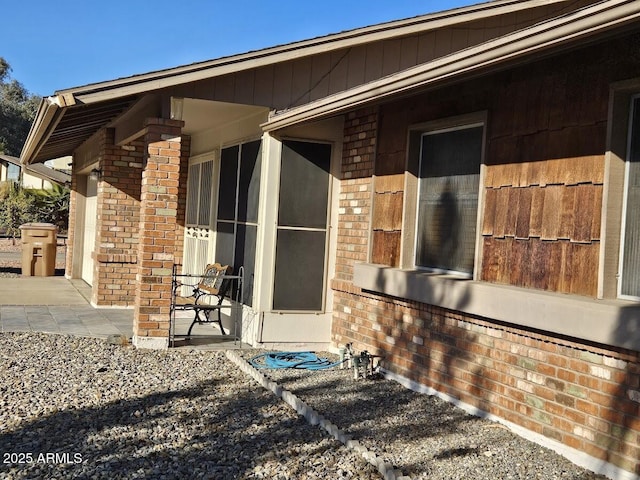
column 17, row 207
column 20, row 205
column 52, row 206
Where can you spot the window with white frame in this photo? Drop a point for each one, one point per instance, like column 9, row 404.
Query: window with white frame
column 629, row 284
column 447, row 203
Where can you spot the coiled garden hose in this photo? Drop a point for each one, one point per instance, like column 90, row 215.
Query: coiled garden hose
column 302, row 360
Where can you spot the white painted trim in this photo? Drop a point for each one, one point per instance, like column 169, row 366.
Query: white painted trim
column 625, row 199
column 444, row 125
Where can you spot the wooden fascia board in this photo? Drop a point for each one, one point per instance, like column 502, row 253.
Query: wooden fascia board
column 540, row 37
column 47, row 118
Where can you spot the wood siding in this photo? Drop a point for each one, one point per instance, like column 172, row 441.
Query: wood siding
column 542, row 195
column 296, row 82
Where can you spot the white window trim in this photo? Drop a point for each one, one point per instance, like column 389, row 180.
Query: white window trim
column 623, row 221
column 411, row 197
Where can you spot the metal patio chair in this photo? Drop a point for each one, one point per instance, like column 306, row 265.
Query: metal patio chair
column 211, row 285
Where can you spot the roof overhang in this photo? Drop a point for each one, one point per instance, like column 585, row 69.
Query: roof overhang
column 552, row 36
column 40, row 171
column 69, row 117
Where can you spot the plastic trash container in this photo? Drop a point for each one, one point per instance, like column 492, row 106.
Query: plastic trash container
column 39, row 241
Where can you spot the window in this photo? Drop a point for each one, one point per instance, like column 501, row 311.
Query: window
column 447, row 204
column 630, row 242
column 13, row 172
column 237, row 214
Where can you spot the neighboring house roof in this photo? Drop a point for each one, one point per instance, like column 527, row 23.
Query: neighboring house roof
column 40, row 170
column 71, row 116
column 565, row 32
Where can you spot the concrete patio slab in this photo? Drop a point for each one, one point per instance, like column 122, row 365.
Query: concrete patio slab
column 57, row 305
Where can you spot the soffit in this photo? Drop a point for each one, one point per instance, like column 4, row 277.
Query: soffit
column 77, row 124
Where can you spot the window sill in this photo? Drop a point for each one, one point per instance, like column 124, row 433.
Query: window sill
column 608, row 322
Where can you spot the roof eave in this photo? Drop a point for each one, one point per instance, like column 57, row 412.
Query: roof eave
column 47, row 117
column 189, row 73
column 566, row 30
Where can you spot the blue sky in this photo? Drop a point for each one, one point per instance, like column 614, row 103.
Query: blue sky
column 54, row 45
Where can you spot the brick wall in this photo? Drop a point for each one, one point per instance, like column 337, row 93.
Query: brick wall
column 355, row 191
column 582, row 395
column 73, row 211
column 166, row 152
column 117, row 235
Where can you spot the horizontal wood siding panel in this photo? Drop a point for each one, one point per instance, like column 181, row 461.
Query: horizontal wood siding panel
column 386, row 248
column 537, row 206
column 519, row 263
column 567, row 213
column 596, row 223
column 512, row 212
column 560, row 266
column 488, row 218
column 551, row 212
column 387, row 211
column 389, row 183
column 585, row 210
column 584, row 263
column 565, row 171
column 502, row 207
column 523, row 216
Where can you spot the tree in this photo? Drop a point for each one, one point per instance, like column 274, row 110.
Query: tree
column 17, row 110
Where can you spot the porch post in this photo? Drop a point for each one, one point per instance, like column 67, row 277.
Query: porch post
column 165, row 148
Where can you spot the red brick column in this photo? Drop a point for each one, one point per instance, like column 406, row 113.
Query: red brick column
column 73, row 211
column 115, row 258
column 166, row 149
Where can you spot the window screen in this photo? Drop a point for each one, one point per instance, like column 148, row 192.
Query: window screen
column 249, row 186
column 302, row 226
column 304, row 189
column 238, row 197
column 448, row 199
column 630, row 282
column 227, row 188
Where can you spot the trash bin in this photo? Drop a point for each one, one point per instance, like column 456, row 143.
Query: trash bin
column 39, row 241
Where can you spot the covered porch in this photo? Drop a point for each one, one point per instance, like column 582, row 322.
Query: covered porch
column 173, row 180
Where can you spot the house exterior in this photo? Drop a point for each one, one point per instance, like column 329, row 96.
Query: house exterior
column 455, row 192
column 37, row 176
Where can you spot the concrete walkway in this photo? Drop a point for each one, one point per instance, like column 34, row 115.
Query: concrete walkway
column 58, row 305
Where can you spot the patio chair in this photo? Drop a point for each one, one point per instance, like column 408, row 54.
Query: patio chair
column 212, row 284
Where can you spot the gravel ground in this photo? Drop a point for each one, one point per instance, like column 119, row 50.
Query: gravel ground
column 117, row 412
column 125, row 413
